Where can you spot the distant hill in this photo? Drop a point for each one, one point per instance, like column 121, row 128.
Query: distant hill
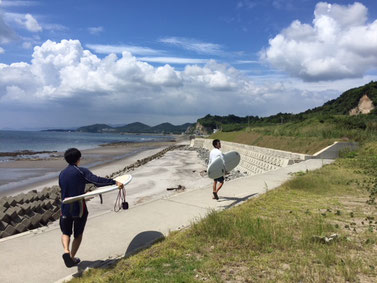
column 137, row 127
column 349, row 100
column 96, row 128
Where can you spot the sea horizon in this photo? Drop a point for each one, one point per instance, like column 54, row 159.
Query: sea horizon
column 16, row 141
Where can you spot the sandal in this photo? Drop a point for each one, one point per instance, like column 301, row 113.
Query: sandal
column 68, row 260
column 215, row 196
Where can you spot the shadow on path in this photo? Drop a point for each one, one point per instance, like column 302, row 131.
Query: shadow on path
column 140, row 242
column 235, row 200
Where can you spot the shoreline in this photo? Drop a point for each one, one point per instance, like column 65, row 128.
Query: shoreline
column 34, row 174
column 157, row 173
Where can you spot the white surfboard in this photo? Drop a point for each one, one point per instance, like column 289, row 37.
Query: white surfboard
column 124, row 179
column 218, row 168
column 232, row 159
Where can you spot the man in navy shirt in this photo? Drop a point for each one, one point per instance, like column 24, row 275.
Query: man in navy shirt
column 72, row 181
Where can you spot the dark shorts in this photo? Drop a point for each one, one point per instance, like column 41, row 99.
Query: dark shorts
column 77, row 223
column 220, row 180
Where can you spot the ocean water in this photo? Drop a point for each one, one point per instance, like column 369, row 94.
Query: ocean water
column 13, row 141
column 14, row 178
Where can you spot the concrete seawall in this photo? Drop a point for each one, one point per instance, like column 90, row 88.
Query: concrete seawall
column 258, row 160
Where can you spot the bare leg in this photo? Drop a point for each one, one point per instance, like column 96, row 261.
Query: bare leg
column 218, row 189
column 65, row 241
column 214, row 186
column 75, row 245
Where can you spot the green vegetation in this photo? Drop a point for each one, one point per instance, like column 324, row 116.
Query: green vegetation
column 318, row 227
column 136, row 127
column 333, row 115
column 307, row 136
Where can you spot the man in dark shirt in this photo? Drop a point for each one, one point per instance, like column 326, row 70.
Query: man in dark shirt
column 72, row 181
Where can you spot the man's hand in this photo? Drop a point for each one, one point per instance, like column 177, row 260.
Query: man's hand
column 119, row 184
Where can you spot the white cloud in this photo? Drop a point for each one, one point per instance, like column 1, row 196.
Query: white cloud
column 107, row 49
column 6, row 33
column 194, row 45
column 68, row 84
column 340, row 43
column 17, row 3
column 31, row 24
column 1, row 50
column 173, row 60
column 95, row 30
column 54, row 27
column 26, row 21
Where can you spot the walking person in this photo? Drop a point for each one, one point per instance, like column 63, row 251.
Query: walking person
column 72, row 181
column 213, row 155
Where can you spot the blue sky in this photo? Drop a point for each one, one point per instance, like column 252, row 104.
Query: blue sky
column 72, row 63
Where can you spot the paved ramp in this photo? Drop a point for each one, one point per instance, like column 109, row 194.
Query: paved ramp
column 36, row 256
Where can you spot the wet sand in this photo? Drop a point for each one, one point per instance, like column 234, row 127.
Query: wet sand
column 23, row 175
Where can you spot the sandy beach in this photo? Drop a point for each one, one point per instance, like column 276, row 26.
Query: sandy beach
column 29, row 174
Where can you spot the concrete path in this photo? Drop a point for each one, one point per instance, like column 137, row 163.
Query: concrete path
column 36, row 256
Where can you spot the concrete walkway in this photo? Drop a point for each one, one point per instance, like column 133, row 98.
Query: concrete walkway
column 35, row 256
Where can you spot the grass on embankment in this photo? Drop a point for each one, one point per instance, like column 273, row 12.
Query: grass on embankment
column 276, row 237
column 307, row 145
column 308, row 136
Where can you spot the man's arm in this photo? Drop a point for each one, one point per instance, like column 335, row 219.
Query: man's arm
column 98, row 181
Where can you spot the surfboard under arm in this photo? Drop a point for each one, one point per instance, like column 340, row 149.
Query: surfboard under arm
column 124, row 179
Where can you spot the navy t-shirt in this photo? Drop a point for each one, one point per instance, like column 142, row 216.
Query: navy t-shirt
column 72, row 181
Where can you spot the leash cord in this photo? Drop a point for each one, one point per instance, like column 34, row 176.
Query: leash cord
column 121, row 198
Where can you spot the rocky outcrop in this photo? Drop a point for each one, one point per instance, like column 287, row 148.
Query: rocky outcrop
column 365, row 106
column 198, row 129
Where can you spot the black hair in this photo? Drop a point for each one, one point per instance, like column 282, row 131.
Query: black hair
column 72, row 155
column 214, row 143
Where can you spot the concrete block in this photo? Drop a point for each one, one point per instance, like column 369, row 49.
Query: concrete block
column 4, row 217
column 5, row 203
column 20, row 228
column 20, row 198
column 56, row 215
column 26, row 222
column 3, row 225
column 35, row 220
column 11, row 212
column 12, row 201
column 40, row 196
column 9, row 231
column 26, row 207
column 46, row 217
column 29, row 197
column 48, row 204
column 30, row 214
column 37, row 205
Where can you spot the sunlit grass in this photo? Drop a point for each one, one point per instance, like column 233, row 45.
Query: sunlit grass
column 273, row 238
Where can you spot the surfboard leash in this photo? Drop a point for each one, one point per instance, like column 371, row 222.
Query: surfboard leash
column 120, row 202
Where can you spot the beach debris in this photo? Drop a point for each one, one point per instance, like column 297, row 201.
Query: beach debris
column 179, row 188
column 325, row 239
